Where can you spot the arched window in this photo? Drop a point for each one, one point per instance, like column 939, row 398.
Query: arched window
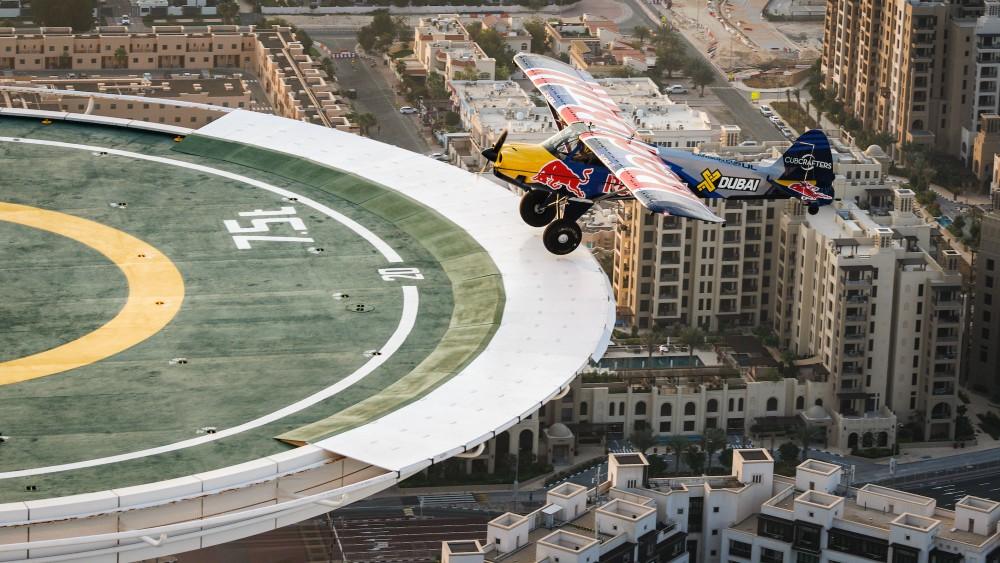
column 583, row 408
column 621, row 408
column 740, row 408
column 772, row 404
column 730, row 404
column 689, row 409
column 867, row 440
column 882, row 439
column 611, row 409
column 640, row 408
column 818, row 402
column 941, row 410
column 800, row 402
column 712, row 405
column 852, row 440
column 666, row 409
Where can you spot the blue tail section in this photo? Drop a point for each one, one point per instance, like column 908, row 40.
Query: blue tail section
column 809, row 168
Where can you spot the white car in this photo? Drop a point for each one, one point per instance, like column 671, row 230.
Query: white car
column 776, row 120
column 675, row 89
column 439, row 156
column 406, row 110
column 125, row 20
column 787, row 132
column 748, row 143
column 766, row 110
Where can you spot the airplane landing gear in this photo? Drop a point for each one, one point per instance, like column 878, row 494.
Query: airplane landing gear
column 813, row 209
column 562, row 236
column 536, row 209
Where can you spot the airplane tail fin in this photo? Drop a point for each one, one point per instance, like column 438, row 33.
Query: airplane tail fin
column 809, row 160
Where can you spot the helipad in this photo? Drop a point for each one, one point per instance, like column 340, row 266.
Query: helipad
column 208, row 336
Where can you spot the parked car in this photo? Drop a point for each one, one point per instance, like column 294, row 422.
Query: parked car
column 406, row 110
column 125, row 20
column 766, row 110
column 748, row 144
column 776, row 120
column 439, row 156
column 675, row 89
column 787, row 132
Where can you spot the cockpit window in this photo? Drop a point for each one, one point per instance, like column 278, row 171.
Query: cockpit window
column 563, row 143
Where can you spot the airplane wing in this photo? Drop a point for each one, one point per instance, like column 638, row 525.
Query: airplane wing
column 643, row 172
column 574, row 94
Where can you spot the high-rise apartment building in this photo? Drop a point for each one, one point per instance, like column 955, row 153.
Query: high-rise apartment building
column 858, row 291
column 908, row 68
column 984, row 326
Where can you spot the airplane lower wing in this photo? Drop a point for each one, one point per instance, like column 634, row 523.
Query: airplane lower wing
column 643, row 172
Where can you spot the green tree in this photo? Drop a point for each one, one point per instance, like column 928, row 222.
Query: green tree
column 435, row 86
column 121, row 57
column 229, row 10
column 701, row 74
column 643, row 438
column 641, row 33
column 692, row 337
column 694, row 458
column 652, row 339
column 726, row 458
column 669, row 59
column 806, row 435
column 77, row 14
column 788, row 452
column 715, row 439
column 678, row 445
column 536, row 28
column 365, row 121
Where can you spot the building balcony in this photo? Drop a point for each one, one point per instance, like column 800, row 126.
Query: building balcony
column 854, row 336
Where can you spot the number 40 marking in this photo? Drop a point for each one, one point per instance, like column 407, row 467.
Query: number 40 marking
column 392, row 274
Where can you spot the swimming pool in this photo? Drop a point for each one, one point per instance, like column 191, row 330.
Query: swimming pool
column 645, row 362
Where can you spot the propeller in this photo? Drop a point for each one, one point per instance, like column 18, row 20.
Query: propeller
column 493, row 153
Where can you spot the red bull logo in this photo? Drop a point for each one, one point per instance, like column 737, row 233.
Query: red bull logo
column 556, row 175
column 807, row 192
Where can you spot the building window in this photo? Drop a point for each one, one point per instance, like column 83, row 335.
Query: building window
column 802, row 557
column 611, row 409
column 768, row 555
column 740, row 549
column 772, row 404
column 583, row 408
column 640, row 408
column 689, row 426
column 689, row 409
column 666, row 409
column 712, row 405
column 664, row 427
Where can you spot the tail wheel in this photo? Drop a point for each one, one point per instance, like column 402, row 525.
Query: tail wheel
column 813, row 209
column 535, row 208
column 562, row 236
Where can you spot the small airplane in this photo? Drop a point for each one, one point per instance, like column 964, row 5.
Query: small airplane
column 596, row 156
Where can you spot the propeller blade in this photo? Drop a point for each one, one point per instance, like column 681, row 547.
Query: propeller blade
column 491, row 154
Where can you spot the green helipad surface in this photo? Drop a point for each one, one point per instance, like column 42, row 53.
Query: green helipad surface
column 259, row 329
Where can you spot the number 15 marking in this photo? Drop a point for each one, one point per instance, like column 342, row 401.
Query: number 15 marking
column 262, row 226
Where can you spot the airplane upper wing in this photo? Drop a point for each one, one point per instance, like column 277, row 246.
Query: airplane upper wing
column 643, row 172
column 574, row 94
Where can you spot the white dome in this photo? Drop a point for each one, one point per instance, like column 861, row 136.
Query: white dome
column 559, row 430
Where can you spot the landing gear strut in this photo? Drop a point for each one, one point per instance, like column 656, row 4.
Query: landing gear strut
column 538, row 208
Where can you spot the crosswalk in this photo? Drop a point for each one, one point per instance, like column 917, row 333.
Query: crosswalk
column 446, row 499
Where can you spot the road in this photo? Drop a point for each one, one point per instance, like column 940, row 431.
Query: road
column 375, row 93
column 948, row 492
column 739, row 110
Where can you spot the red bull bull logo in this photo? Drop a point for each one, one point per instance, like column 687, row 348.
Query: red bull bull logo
column 807, row 192
column 557, row 175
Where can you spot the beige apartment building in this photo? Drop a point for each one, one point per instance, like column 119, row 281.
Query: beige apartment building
column 904, row 67
column 294, row 83
column 857, row 292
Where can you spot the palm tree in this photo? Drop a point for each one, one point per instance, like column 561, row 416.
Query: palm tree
column 366, row 121
column 798, row 96
column 692, row 337
column 229, row 10
column 694, row 457
column 807, row 434
column 715, row 439
column 652, row 339
column 121, row 57
column 678, row 444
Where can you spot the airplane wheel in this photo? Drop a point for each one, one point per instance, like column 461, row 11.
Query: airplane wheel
column 562, row 236
column 534, row 208
column 813, row 210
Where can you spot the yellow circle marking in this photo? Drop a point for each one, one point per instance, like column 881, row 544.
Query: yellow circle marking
column 155, row 293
